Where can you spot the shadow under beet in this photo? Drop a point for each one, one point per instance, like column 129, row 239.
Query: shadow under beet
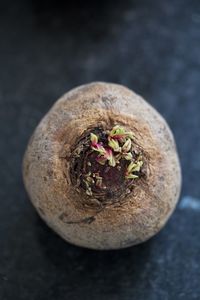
column 91, row 272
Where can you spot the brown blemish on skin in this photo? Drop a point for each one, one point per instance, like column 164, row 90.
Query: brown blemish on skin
column 87, row 220
column 41, row 211
column 26, row 169
column 64, row 218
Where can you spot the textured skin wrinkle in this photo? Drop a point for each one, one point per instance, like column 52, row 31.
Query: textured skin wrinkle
column 83, row 221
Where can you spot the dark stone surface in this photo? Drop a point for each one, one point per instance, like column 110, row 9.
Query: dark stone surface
column 46, row 49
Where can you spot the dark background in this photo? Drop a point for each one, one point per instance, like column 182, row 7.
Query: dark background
column 47, row 48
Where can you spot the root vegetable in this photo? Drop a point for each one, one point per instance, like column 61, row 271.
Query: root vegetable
column 102, row 168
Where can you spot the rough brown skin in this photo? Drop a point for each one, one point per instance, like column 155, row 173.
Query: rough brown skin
column 84, row 220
